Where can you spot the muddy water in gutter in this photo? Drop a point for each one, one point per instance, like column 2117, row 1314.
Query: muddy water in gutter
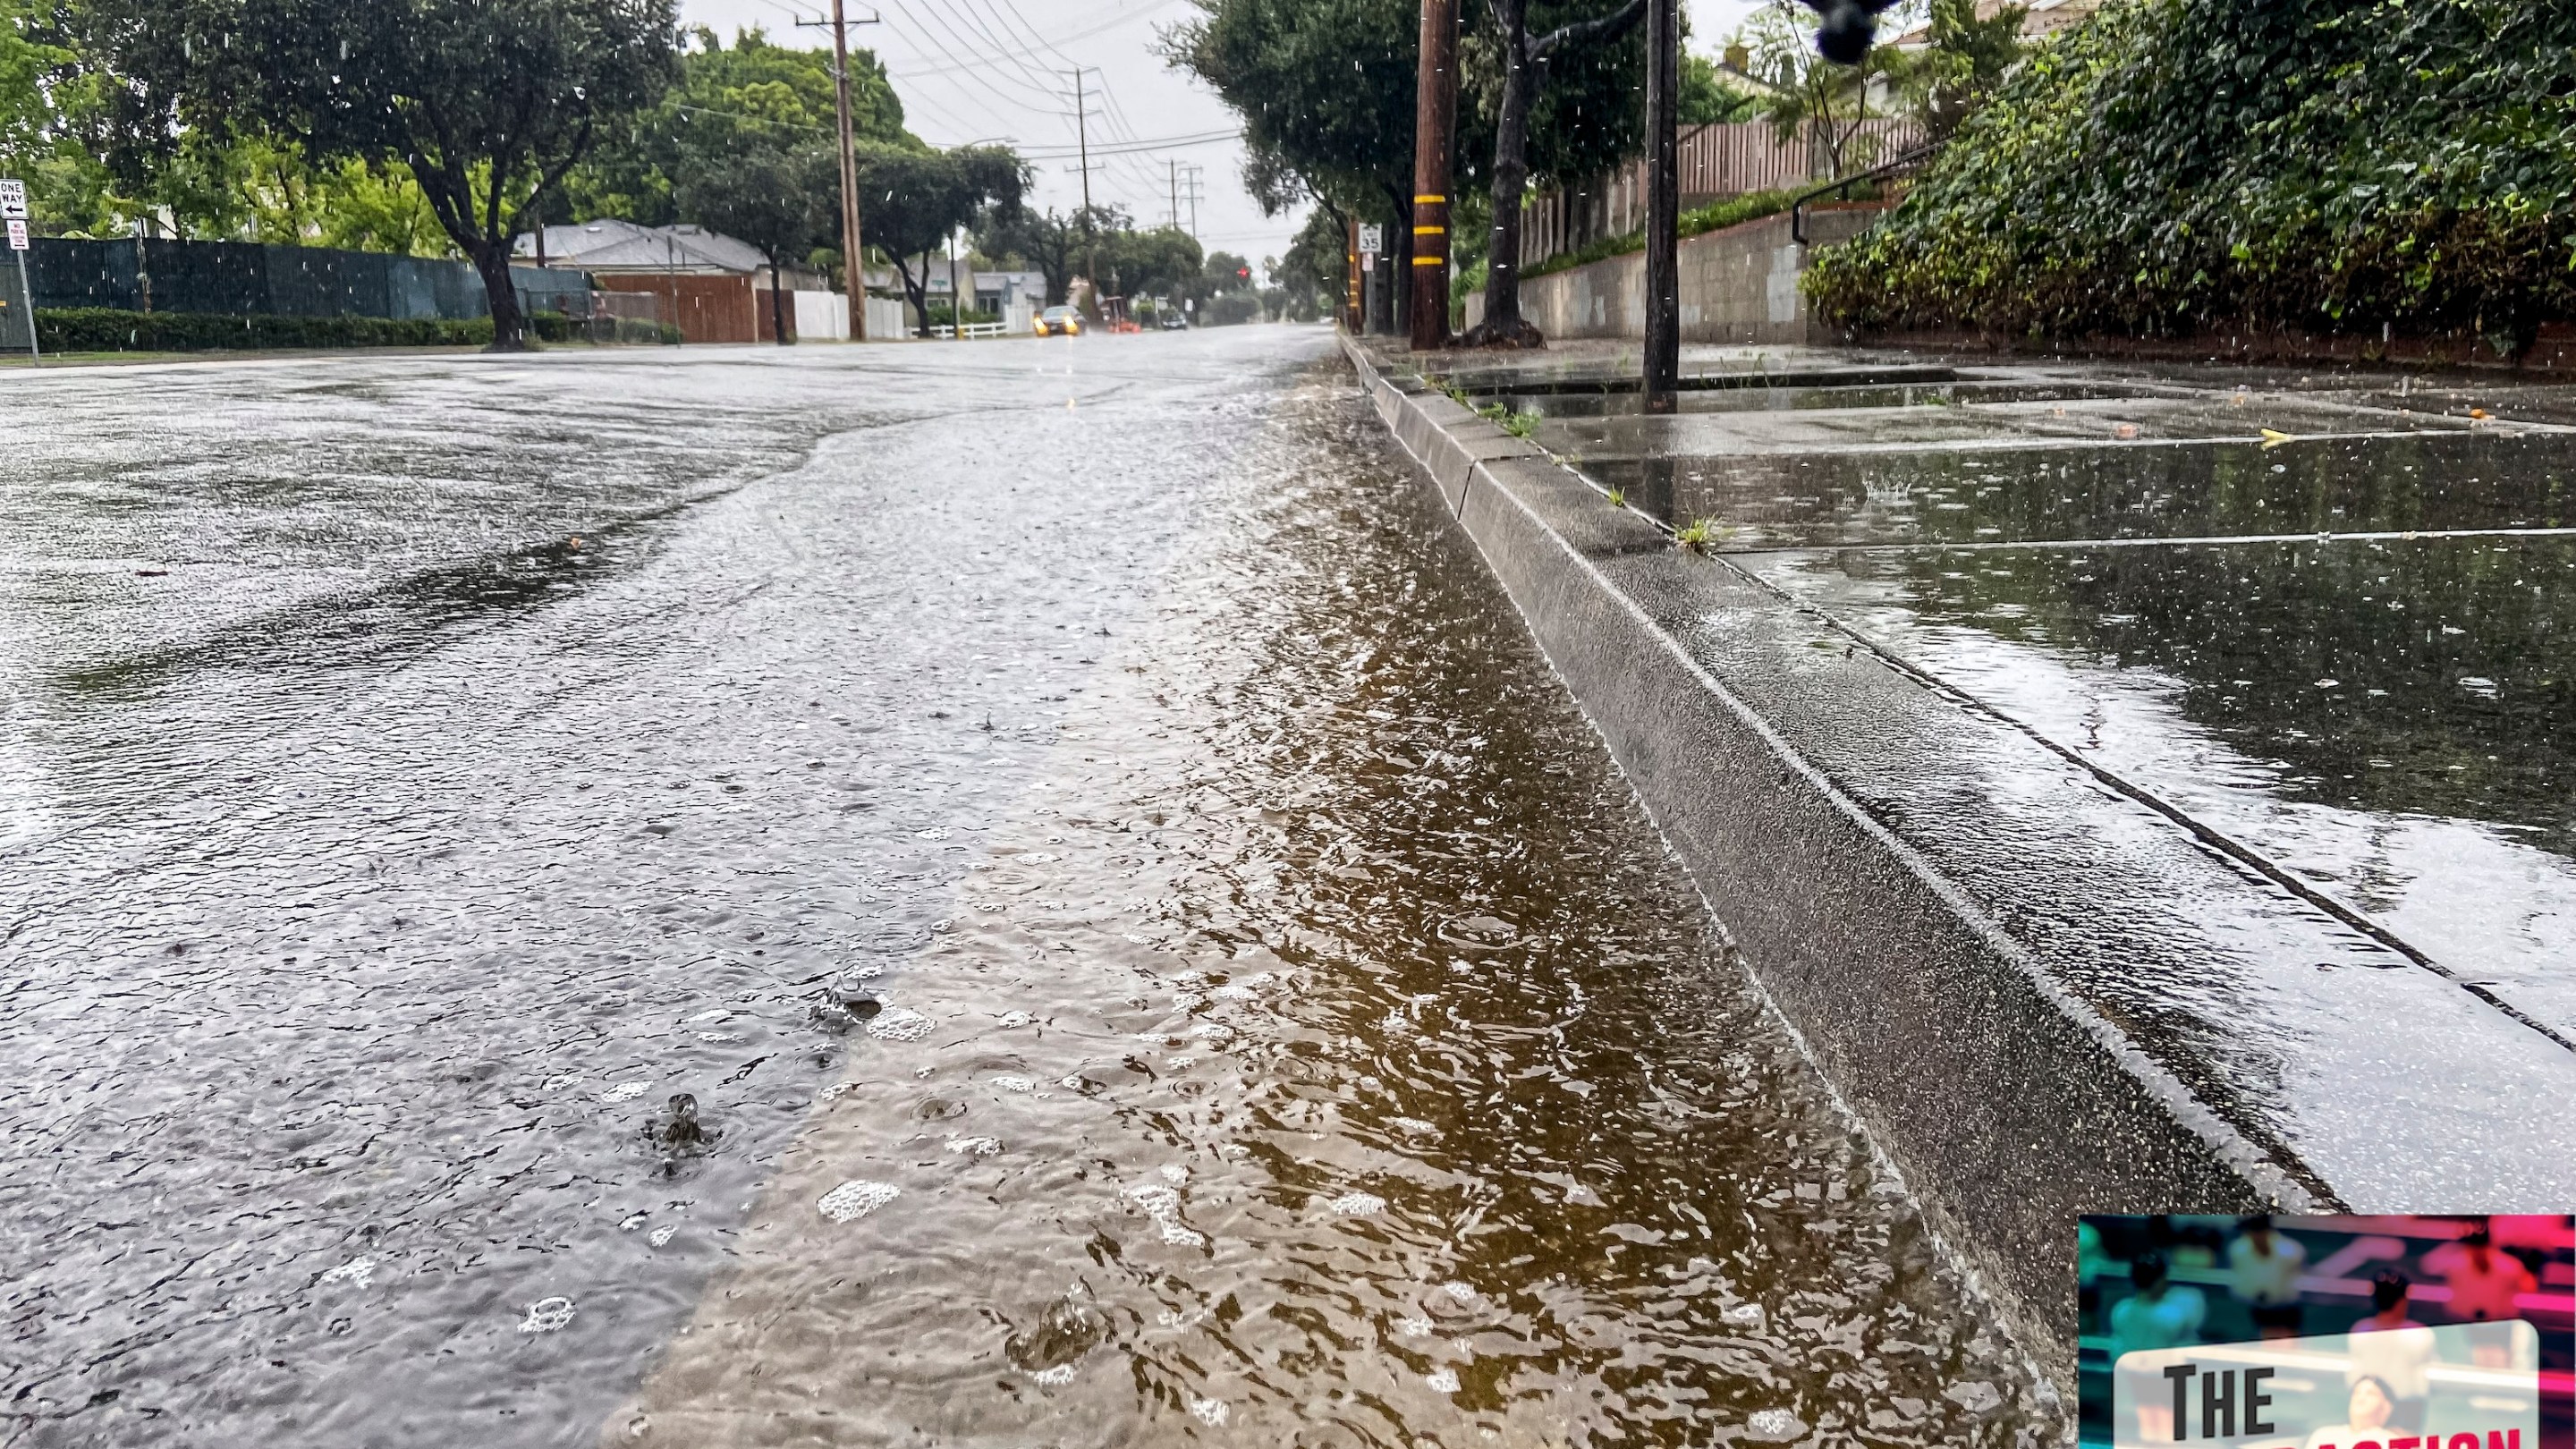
column 1326, row 1051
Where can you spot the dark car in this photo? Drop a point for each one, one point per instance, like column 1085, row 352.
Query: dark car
column 1174, row 320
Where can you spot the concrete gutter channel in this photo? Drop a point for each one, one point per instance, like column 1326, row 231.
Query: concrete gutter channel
column 2042, row 992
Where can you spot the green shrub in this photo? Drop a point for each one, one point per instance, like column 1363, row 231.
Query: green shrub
column 2176, row 166
column 551, row 326
column 107, row 329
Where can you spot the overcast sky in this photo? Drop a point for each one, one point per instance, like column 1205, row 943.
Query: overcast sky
column 988, row 70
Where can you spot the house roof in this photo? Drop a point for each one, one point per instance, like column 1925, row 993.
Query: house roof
column 609, row 245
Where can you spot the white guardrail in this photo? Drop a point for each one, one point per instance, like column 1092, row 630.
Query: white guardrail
column 973, row 330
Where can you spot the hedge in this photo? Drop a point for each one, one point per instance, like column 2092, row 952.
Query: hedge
column 2174, row 167
column 107, row 329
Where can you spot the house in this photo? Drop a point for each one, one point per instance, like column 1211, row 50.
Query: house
column 2043, row 18
column 714, row 286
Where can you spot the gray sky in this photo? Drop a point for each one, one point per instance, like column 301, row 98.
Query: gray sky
column 980, row 70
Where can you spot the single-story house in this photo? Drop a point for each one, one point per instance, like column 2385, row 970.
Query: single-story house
column 714, row 286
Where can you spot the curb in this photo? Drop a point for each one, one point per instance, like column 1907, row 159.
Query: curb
column 2008, row 1106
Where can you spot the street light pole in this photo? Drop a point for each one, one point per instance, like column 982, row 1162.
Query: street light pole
column 1663, row 208
column 1435, row 115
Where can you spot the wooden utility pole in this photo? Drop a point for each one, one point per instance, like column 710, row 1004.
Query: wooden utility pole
column 1663, row 207
column 854, row 254
column 1435, row 120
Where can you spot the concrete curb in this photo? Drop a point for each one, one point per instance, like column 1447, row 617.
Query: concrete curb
column 2009, row 1106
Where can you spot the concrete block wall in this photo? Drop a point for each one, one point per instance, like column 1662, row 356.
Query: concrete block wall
column 1739, row 284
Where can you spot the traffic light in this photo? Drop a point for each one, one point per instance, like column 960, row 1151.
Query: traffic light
column 1849, row 27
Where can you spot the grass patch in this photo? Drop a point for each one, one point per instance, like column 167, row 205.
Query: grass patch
column 1695, row 222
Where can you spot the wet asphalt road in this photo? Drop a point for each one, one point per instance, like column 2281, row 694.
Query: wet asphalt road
column 1286, row 1028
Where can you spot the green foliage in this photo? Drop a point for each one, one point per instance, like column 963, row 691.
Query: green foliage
column 2175, row 166
column 1707, row 99
column 1695, row 535
column 486, row 104
column 1715, row 216
column 1227, row 309
column 915, row 199
column 1963, row 60
column 753, row 89
column 1137, row 263
column 1057, row 245
column 1810, row 91
column 1325, row 89
column 781, row 194
column 107, row 329
column 1617, row 496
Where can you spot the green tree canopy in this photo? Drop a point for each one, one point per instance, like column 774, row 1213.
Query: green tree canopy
column 916, row 199
column 487, row 103
column 753, row 92
column 780, row 194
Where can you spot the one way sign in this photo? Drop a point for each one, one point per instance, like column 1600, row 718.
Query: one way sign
column 13, row 201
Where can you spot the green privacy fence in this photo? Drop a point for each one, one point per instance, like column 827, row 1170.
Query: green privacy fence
column 253, row 280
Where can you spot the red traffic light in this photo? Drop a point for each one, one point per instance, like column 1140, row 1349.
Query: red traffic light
column 1243, row 271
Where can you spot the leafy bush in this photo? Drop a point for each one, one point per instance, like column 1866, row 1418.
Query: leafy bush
column 1717, row 214
column 2175, row 166
column 107, row 329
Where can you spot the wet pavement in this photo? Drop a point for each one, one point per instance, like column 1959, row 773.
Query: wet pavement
column 1150, row 951
column 2320, row 620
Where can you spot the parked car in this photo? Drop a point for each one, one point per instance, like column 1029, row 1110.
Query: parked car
column 1174, row 320
column 1059, row 322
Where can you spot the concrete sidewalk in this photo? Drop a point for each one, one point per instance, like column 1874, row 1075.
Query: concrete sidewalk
column 2143, row 790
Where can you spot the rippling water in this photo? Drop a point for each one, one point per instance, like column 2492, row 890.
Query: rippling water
column 1330, row 1054
column 1151, row 952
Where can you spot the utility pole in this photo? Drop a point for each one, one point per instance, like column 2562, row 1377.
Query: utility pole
column 1663, row 208
column 1196, row 191
column 1082, row 144
column 1434, row 118
column 1174, row 167
column 854, row 258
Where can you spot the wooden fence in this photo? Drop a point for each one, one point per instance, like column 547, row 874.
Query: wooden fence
column 1715, row 162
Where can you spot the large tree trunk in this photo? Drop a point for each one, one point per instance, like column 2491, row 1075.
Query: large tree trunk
column 509, row 325
column 777, row 306
column 1503, row 325
column 1524, row 75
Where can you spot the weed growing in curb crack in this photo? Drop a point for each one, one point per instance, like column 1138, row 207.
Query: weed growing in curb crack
column 1618, row 497
column 1695, row 537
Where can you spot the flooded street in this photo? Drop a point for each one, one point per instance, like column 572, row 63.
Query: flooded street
column 1150, row 951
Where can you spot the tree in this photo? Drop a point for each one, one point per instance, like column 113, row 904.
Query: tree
column 1526, row 58
column 1049, row 241
column 1827, row 100
column 1140, row 263
column 1961, row 64
column 722, row 90
column 774, row 193
column 487, row 103
column 916, row 199
column 1707, row 99
column 1326, row 92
